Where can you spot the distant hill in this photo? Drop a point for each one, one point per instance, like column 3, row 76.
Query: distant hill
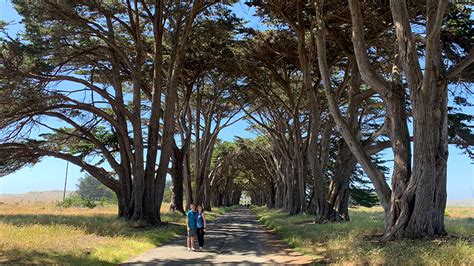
column 35, row 196
column 461, row 203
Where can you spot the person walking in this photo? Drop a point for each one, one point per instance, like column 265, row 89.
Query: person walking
column 201, row 226
column 191, row 216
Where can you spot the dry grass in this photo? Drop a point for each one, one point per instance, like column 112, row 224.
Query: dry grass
column 358, row 241
column 34, row 197
column 459, row 212
column 38, row 208
column 40, row 233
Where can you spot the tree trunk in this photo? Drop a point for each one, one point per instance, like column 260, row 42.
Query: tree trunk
column 375, row 175
column 229, row 187
column 339, row 186
column 319, row 195
column 420, row 211
column 207, row 194
column 279, row 194
column 124, row 203
column 177, row 178
column 271, row 196
column 187, row 182
column 236, row 194
column 400, row 141
column 294, row 196
column 198, row 178
column 318, row 205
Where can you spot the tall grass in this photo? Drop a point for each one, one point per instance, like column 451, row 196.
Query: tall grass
column 44, row 233
column 358, row 241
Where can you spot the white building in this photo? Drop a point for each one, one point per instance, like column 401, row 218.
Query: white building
column 245, row 199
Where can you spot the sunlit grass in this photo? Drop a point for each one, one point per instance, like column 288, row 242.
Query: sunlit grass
column 42, row 233
column 358, row 241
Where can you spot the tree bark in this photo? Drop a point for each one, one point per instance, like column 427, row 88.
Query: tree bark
column 187, row 181
column 418, row 211
column 339, row 185
column 177, row 179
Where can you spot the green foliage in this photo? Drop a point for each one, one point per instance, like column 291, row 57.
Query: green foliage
column 77, row 201
column 90, row 188
column 90, row 194
column 242, row 159
column 363, row 197
column 457, row 35
column 167, row 194
column 460, row 131
column 12, row 159
column 62, row 140
column 361, row 191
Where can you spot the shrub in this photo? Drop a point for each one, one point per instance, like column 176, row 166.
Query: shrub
column 76, row 201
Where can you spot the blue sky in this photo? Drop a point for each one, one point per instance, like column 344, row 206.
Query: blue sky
column 49, row 173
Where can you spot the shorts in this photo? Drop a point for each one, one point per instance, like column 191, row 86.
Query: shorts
column 192, row 232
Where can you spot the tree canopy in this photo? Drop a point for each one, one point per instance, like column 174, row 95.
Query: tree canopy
column 136, row 92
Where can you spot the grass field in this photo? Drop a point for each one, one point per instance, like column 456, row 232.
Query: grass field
column 358, row 241
column 41, row 233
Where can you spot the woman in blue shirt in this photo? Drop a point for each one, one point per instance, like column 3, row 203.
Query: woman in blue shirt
column 201, row 226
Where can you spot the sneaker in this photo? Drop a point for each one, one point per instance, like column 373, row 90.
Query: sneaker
column 189, row 249
column 200, row 249
column 193, row 249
